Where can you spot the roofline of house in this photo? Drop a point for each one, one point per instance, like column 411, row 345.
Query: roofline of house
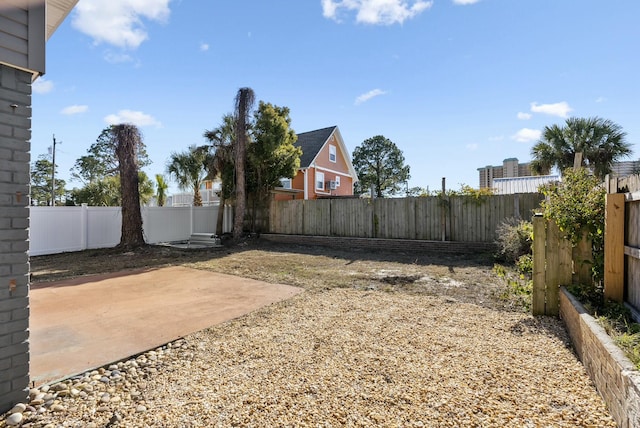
column 344, row 150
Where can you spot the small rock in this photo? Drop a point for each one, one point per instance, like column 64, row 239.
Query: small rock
column 60, row 387
column 18, row 408
column 14, row 419
column 57, row 408
column 141, row 409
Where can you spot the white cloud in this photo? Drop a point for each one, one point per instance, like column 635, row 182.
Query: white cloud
column 42, row 86
column 601, row 99
column 137, row 118
column 117, row 57
column 472, row 147
column 371, row 94
column 385, row 12
column 560, row 109
column 524, row 116
column 74, row 109
column 526, row 135
column 464, row 2
column 204, row 47
column 118, row 22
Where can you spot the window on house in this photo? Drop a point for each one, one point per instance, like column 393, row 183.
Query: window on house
column 332, row 153
column 337, row 181
column 319, row 180
column 285, row 183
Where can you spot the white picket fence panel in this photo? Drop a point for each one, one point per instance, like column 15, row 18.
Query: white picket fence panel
column 61, row 229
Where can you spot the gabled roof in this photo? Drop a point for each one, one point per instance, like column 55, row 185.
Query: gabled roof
column 311, row 143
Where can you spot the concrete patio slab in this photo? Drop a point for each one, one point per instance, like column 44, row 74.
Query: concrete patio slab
column 80, row 324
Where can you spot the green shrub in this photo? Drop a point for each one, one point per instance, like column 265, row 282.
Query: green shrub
column 514, row 238
column 577, row 206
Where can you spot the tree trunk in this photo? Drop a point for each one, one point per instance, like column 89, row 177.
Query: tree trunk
column 197, row 197
column 127, row 140
column 220, row 219
column 244, row 101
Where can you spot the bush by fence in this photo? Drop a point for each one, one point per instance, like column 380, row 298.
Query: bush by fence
column 454, row 218
column 60, row 229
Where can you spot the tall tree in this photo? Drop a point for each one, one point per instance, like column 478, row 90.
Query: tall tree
column 101, row 160
column 380, row 163
column 128, row 139
column 189, row 170
column 271, row 155
column 221, row 163
column 161, row 190
column 601, row 142
column 244, row 103
column 41, row 171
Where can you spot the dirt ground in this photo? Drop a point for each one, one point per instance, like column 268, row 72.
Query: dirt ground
column 466, row 278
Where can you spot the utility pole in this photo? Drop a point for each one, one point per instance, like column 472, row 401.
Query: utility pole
column 53, row 172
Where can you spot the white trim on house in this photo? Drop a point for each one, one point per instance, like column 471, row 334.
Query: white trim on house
column 319, row 180
column 333, row 171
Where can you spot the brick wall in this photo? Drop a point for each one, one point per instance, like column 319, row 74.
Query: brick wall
column 447, row 247
column 15, row 133
column 613, row 374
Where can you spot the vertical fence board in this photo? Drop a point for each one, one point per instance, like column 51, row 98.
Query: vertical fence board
column 614, row 247
column 583, row 261
column 552, row 277
column 632, row 239
column 539, row 238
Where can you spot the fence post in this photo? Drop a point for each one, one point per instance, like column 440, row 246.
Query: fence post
column 84, row 227
column 539, row 259
column 614, row 247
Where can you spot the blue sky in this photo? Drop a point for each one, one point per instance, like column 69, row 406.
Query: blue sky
column 455, row 84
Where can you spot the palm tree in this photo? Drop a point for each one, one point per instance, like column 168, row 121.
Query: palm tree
column 601, row 142
column 244, row 103
column 161, row 189
column 188, row 169
column 221, row 162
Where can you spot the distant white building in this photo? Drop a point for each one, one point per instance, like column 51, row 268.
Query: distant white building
column 530, row 184
column 510, row 168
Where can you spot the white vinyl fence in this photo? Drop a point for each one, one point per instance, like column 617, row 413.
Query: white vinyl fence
column 61, row 229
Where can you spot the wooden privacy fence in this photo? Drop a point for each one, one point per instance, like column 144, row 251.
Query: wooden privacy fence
column 454, row 218
column 622, row 242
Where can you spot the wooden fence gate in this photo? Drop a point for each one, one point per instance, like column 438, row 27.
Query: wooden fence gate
column 552, row 266
column 556, row 263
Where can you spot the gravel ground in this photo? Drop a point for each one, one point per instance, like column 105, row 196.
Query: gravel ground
column 341, row 357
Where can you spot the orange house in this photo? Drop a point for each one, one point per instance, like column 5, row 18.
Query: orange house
column 325, row 168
